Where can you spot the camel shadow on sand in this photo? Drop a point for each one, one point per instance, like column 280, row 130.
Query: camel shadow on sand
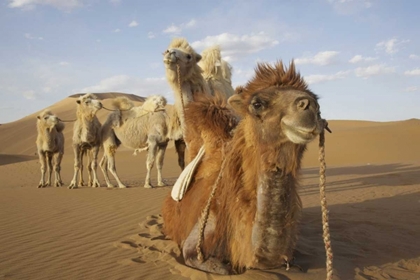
column 9, row 159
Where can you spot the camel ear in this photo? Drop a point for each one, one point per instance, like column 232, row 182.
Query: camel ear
column 38, row 117
column 198, row 57
column 78, row 101
column 237, row 104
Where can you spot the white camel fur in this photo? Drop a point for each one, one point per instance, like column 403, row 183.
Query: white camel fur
column 86, row 138
column 139, row 128
column 216, row 72
column 50, row 144
column 188, row 79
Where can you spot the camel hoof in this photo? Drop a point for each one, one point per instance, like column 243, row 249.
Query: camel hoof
column 162, row 184
column 147, row 186
column 111, row 186
column 73, row 187
column 59, row 184
column 122, row 187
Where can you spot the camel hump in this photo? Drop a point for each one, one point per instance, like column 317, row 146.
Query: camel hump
column 211, row 115
column 122, row 103
column 211, row 62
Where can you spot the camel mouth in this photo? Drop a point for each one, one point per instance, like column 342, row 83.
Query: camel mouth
column 300, row 135
column 170, row 58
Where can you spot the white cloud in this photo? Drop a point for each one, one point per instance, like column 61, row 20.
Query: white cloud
column 30, row 37
column 115, row 1
column 359, row 58
column 177, row 29
column 117, row 30
column 234, row 46
column 321, row 58
column 373, row 70
column 151, row 35
column 64, row 63
column 414, row 72
column 411, row 89
column 414, row 56
column 391, row 46
column 315, row 79
column 139, row 86
column 133, row 24
column 59, row 4
column 29, row 94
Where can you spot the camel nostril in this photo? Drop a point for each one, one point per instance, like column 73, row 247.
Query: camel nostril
column 303, row 104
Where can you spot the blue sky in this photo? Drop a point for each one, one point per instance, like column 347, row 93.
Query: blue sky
column 362, row 57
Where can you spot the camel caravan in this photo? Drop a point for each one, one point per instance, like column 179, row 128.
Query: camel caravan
column 235, row 205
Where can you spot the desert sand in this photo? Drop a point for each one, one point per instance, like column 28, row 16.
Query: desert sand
column 373, row 194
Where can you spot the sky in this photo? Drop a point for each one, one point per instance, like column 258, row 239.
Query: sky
column 361, row 57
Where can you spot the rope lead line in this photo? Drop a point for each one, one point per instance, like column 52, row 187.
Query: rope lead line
column 325, row 223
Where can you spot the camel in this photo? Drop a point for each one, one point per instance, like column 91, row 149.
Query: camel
column 242, row 207
column 140, row 128
column 50, row 143
column 86, row 138
column 186, row 79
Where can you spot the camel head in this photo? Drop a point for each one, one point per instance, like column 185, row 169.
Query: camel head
column 278, row 101
column 88, row 104
column 47, row 119
column 181, row 53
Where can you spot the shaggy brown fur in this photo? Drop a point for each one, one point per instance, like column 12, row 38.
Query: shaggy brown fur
column 256, row 207
column 50, row 143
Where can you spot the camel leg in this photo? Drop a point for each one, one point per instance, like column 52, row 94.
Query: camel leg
column 42, row 161
column 189, row 251
column 113, row 169
column 89, row 167
column 94, row 167
column 180, row 150
column 159, row 163
column 77, row 158
column 151, row 155
column 81, row 181
column 103, row 165
column 50, row 168
column 57, row 170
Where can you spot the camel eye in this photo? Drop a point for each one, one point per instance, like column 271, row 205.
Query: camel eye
column 257, row 105
column 188, row 56
column 45, row 118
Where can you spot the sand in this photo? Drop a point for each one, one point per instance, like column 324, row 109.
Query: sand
column 373, row 193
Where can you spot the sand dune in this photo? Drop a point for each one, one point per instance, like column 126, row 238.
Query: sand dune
column 373, row 183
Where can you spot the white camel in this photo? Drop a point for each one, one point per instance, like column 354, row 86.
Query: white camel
column 86, row 138
column 50, row 144
column 187, row 80
column 140, row 128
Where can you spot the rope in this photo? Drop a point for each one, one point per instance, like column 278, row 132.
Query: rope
column 67, row 120
column 206, row 211
column 325, row 225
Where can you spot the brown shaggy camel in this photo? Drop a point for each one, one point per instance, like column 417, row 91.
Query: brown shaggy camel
column 139, row 128
column 188, row 80
column 248, row 176
column 86, row 138
column 50, row 143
